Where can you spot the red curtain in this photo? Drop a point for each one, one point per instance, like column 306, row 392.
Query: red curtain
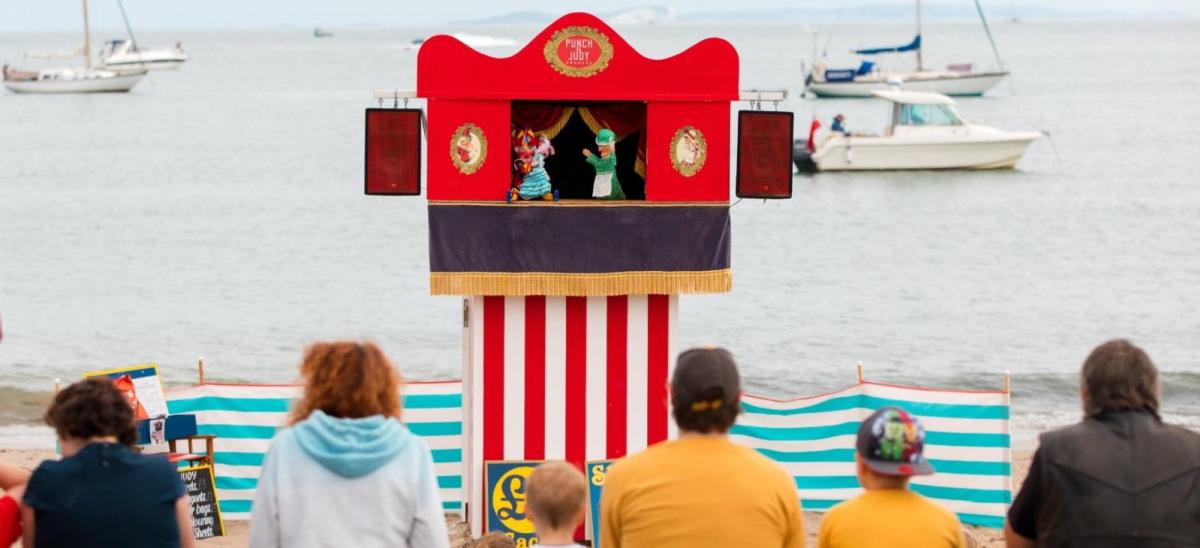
column 541, row 117
column 624, row 119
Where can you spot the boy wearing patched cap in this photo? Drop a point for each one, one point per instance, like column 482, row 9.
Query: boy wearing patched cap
column 606, row 186
column 888, row 452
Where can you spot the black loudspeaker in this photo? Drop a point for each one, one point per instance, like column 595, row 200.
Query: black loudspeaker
column 393, row 152
column 764, row 154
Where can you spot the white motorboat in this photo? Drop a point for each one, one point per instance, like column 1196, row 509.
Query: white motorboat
column 124, row 55
column 957, row 79
column 71, row 80
column 925, row 132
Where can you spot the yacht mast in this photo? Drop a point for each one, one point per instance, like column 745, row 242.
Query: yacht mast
column 128, row 29
column 988, row 31
column 87, row 39
column 920, row 61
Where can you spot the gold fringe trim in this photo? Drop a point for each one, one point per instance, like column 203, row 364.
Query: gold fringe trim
column 580, row 285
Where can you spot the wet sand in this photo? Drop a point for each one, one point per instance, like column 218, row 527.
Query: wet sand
column 238, row 532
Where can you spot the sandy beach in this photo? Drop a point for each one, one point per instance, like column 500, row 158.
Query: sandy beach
column 238, row 532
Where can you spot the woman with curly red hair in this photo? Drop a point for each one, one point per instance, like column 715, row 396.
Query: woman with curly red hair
column 347, row 472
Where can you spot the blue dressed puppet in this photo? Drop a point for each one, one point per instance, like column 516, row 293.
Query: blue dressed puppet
column 531, row 182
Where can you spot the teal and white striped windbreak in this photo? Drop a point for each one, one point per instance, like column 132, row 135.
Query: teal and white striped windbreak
column 244, row 417
column 967, row 439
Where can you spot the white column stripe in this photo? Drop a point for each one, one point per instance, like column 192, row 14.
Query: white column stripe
column 473, row 464
column 597, row 374
column 514, row 378
column 636, row 374
column 672, row 353
column 556, row 377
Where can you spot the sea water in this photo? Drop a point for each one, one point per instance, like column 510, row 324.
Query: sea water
column 218, row 211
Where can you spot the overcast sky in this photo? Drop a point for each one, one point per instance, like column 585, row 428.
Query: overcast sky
column 34, row 15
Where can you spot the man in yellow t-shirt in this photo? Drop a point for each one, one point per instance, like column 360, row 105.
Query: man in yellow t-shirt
column 889, row 451
column 701, row 490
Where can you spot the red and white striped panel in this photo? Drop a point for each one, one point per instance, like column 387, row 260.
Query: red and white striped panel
column 574, row 378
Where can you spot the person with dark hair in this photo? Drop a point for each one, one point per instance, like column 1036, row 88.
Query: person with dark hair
column 102, row 493
column 1119, row 478
column 889, row 451
column 679, row 493
column 347, row 472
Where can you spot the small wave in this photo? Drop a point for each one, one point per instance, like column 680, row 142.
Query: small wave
column 19, row 406
column 24, row 436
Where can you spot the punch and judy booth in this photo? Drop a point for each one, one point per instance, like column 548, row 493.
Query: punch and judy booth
column 575, row 190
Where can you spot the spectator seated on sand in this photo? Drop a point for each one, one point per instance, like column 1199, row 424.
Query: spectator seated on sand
column 347, row 472
column 495, row 540
column 888, row 452
column 1119, row 478
column 12, row 482
column 556, row 500
column 682, row 493
column 102, row 493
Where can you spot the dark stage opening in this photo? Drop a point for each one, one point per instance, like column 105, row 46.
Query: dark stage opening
column 572, row 127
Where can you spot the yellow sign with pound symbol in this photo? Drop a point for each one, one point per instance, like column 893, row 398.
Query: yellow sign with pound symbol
column 505, row 493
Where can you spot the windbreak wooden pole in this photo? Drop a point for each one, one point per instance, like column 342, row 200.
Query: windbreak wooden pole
column 200, row 367
column 1008, row 452
column 860, row 372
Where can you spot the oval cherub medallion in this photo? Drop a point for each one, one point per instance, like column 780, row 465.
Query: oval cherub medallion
column 468, row 148
column 688, row 151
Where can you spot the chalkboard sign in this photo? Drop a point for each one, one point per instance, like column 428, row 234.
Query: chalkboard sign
column 206, row 511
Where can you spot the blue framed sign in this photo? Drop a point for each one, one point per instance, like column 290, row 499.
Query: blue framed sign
column 504, row 495
column 597, row 472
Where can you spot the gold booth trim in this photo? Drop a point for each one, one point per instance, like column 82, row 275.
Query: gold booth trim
column 580, row 285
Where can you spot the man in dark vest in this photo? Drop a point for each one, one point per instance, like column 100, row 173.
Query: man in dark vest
column 1119, row 478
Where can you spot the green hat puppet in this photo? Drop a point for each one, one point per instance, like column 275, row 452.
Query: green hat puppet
column 606, row 185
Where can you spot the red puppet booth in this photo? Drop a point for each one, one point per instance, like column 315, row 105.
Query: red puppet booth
column 575, row 190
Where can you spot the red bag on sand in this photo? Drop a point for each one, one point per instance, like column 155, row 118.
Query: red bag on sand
column 124, row 383
column 10, row 521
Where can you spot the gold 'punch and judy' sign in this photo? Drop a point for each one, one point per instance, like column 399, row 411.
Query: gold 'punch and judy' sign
column 578, row 52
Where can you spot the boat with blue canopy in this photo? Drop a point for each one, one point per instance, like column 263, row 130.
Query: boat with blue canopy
column 861, row 81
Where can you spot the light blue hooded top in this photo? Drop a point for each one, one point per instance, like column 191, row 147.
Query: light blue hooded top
column 365, row 482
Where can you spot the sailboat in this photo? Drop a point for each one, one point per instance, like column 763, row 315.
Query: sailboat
column 866, row 78
column 72, row 80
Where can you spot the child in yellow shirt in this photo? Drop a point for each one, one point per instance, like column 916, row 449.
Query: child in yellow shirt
column 890, row 450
